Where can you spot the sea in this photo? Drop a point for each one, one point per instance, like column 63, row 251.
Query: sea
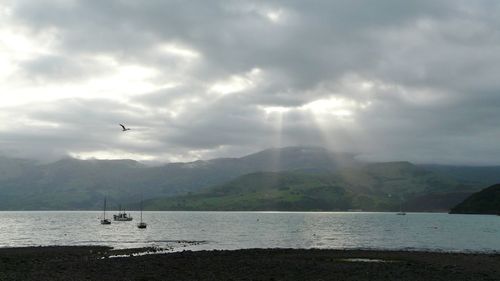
column 178, row 231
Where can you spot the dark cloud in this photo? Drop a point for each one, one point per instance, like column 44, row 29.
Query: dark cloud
column 390, row 80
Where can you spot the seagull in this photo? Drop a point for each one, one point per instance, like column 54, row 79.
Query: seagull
column 124, row 129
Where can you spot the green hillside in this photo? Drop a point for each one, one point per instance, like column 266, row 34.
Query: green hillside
column 372, row 187
column 264, row 191
column 486, row 201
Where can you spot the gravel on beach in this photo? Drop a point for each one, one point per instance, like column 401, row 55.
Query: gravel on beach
column 93, row 263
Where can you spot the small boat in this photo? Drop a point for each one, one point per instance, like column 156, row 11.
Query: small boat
column 104, row 220
column 122, row 216
column 142, row 224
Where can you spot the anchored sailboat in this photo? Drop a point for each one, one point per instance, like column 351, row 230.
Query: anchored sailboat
column 141, row 224
column 104, row 220
column 401, row 212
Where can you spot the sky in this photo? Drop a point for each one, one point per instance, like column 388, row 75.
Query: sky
column 384, row 79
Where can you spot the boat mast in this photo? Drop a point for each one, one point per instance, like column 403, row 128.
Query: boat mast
column 104, row 211
column 141, row 209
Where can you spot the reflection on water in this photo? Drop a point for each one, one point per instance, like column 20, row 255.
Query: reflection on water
column 236, row 230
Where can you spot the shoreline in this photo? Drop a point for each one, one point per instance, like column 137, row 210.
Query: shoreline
column 93, row 263
column 186, row 243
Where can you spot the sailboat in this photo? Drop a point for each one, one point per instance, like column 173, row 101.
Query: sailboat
column 401, row 213
column 142, row 224
column 104, row 220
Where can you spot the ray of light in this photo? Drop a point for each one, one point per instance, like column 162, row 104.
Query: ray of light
column 335, row 118
column 276, row 119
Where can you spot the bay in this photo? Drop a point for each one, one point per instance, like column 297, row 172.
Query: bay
column 240, row 230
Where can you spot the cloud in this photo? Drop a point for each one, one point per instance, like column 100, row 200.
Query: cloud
column 387, row 80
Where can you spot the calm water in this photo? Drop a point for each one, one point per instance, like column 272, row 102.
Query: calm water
column 236, row 230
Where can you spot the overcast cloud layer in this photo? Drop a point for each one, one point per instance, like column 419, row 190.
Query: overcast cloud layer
column 389, row 80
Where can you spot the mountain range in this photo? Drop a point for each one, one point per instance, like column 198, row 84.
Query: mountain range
column 309, row 172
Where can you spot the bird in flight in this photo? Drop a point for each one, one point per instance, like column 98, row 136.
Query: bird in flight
column 124, row 128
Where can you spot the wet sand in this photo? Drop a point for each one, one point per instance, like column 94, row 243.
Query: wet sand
column 93, row 263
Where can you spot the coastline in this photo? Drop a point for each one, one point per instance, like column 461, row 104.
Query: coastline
column 93, row 263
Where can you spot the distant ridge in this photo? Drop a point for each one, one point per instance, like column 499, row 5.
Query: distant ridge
column 73, row 184
column 484, row 174
column 297, row 158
